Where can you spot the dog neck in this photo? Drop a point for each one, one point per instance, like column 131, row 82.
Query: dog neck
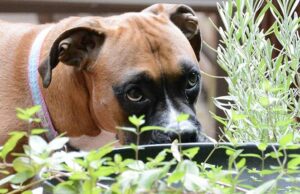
column 37, row 97
column 67, row 100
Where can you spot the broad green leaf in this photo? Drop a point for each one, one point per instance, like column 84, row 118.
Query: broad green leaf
column 21, row 177
column 175, row 177
column 195, row 183
column 57, row 143
column 191, row 152
column 22, row 164
column 294, row 163
column 230, row 152
column 148, row 178
column 33, row 110
column 275, row 154
column 104, row 171
column 65, row 188
column 137, row 165
column 100, row 153
column 11, row 143
column 78, row 176
column 118, row 158
column 288, row 138
column 262, row 146
column 37, row 144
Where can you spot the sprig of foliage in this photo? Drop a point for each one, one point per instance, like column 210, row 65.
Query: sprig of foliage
column 261, row 105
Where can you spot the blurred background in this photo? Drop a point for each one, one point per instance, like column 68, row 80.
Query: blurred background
column 46, row 11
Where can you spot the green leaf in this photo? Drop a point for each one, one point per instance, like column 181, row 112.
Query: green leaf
column 288, row 138
column 21, row 177
column 182, row 117
column 33, row 110
column 57, row 143
column 37, row 144
column 100, row 153
column 251, row 155
column 118, row 158
column 79, row 176
column 241, row 163
column 3, row 190
column 294, row 163
column 137, row 121
column 38, row 131
column 195, row 183
column 11, row 143
column 191, row 152
column 104, row 171
column 264, row 188
column 148, row 178
column 262, row 146
column 65, row 188
column 133, row 146
column 137, row 165
column 230, row 152
column 22, row 164
column 275, row 155
column 175, row 151
column 175, row 177
column 130, row 129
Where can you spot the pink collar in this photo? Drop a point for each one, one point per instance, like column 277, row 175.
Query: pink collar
column 33, row 79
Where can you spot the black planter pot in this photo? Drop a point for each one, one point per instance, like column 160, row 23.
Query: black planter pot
column 216, row 154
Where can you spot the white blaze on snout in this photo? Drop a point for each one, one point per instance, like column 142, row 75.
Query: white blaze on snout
column 172, row 123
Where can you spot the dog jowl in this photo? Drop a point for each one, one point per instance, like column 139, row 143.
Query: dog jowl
column 97, row 71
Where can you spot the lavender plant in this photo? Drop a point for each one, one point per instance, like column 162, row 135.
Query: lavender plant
column 261, row 104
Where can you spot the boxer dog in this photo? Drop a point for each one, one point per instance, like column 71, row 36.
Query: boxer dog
column 94, row 72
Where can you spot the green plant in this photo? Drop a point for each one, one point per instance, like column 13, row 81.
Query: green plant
column 97, row 172
column 261, row 104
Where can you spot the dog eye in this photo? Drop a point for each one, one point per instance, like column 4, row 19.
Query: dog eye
column 134, row 95
column 192, row 80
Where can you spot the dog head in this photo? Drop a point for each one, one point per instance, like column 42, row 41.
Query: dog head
column 136, row 64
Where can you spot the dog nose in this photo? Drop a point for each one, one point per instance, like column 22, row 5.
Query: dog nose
column 185, row 136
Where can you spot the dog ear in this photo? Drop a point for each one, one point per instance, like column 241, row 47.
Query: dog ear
column 75, row 47
column 185, row 19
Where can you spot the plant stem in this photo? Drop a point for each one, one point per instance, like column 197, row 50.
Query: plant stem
column 32, row 184
column 137, row 144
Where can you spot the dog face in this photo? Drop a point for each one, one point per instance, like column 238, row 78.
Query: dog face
column 137, row 64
